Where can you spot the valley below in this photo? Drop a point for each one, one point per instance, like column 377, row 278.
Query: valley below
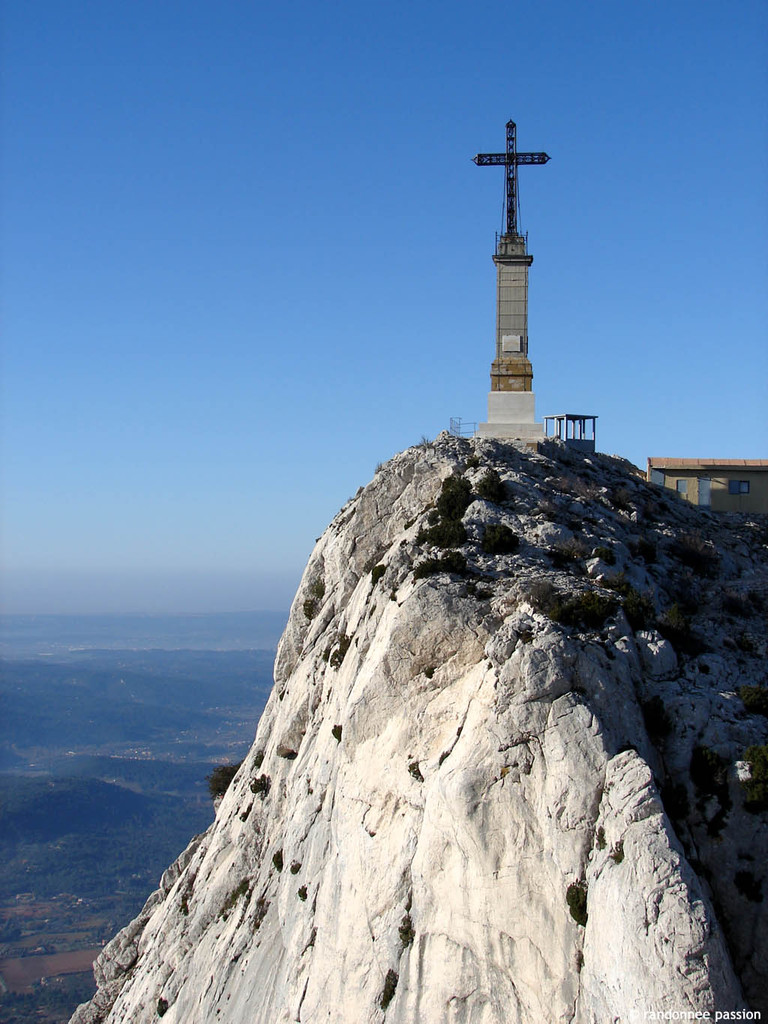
column 104, row 757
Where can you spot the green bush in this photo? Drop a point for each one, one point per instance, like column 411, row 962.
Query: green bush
column 755, row 699
column 498, row 539
column 451, row 562
column 542, row 595
column 490, row 487
column 316, row 592
column 676, row 627
column 388, row 992
column 639, row 608
column 621, row 498
column 449, row 533
column 415, row 771
column 576, row 898
column 674, row 621
column 262, row 906
column 243, row 889
column 589, row 609
column 445, row 529
column 643, row 548
column 617, row 853
column 618, row 583
column 473, row 462
column 572, row 550
column 605, row 554
column 405, row 931
column 454, row 499
column 337, row 656
column 277, row 860
column 295, row 867
column 336, row 733
column 162, row 1007
column 220, row 778
column 601, row 838
column 302, row 893
column 697, row 553
column 756, row 787
column 260, row 786
column 709, row 773
column 377, row 572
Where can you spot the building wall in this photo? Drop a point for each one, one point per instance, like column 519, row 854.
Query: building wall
column 721, row 500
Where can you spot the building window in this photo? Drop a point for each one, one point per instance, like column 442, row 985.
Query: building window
column 682, row 486
column 738, row 486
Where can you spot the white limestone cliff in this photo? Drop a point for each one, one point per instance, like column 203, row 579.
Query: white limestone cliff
column 447, row 761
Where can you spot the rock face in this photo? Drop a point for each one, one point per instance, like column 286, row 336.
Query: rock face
column 494, row 783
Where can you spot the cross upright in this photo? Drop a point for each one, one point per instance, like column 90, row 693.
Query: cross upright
column 511, row 160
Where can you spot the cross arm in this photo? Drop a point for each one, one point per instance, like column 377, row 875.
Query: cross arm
column 505, row 159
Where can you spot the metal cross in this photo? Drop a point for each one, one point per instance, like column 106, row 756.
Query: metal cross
column 511, row 160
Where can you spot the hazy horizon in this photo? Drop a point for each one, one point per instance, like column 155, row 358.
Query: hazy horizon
column 119, row 592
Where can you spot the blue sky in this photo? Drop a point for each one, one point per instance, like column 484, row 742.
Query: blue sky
column 246, row 257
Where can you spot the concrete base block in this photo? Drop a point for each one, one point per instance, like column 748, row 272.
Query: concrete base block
column 511, row 414
column 511, row 407
column 512, row 431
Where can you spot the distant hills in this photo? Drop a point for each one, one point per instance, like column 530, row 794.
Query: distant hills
column 101, row 700
column 42, row 809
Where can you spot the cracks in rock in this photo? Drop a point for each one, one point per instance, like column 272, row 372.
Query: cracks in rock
column 455, row 1001
column 313, row 816
column 571, row 1013
column 297, row 1018
column 447, row 753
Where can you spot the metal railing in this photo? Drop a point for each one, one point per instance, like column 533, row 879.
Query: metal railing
column 461, row 428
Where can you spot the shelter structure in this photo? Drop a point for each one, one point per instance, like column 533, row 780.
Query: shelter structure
column 576, row 430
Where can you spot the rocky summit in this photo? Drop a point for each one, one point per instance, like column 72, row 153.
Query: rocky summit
column 513, row 768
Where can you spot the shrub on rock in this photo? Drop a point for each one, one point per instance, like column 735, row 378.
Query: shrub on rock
column 498, row 539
